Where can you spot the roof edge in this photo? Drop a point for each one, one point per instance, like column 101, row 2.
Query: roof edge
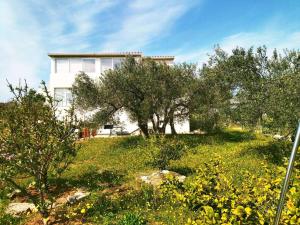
column 163, row 57
column 110, row 54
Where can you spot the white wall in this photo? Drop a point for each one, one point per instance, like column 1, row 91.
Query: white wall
column 66, row 79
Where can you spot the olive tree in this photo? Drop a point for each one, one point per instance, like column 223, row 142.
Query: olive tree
column 213, row 94
column 34, row 144
column 283, row 103
column 150, row 92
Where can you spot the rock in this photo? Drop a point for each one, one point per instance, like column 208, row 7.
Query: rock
column 77, row 196
column 158, row 177
column 278, row 137
column 16, row 209
column 70, row 198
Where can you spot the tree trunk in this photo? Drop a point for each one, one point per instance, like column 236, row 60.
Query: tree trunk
column 144, row 128
column 173, row 130
column 157, row 123
column 162, row 130
column 154, row 125
column 43, row 207
column 45, row 181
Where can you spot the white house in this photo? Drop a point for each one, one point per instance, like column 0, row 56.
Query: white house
column 65, row 66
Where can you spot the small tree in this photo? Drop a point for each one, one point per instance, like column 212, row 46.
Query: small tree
column 35, row 144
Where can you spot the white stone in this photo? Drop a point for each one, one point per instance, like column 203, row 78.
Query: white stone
column 79, row 195
column 145, row 178
column 278, row 137
column 16, row 209
column 158, row 177
column 181, row 178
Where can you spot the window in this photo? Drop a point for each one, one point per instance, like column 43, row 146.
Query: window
column 62, row 66
column 75, row 65
column 63, row 96
column 88, row 65
column 117, row 62
column 106, row 64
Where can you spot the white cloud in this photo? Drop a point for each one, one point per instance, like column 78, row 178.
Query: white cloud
column 20, row 48
column 194, row 56
column 272, row 39
column 146, row 21
column 29, row 29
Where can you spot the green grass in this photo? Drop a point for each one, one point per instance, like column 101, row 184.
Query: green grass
column 127, row 157
column 115, row 163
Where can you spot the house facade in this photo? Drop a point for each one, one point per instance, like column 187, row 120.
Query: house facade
column 65, row 67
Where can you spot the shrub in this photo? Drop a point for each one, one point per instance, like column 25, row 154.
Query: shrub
column 164, row 150
column 215, row 199
column 132, row 219
column 35, row 144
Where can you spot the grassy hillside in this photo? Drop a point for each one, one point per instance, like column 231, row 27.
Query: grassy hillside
column 130, row 156
column 109, row 168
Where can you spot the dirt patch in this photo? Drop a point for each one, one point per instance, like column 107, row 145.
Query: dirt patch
column 116, row 191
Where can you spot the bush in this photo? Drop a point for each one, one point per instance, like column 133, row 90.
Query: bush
column 215, row 199
column 164, row 150
column 35, row 144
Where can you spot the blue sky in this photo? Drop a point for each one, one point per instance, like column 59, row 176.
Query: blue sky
column 187, row 29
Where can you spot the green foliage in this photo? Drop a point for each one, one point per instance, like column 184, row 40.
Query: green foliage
column 164, row 150
column 9, row 220
column 126, row 207
column 250, row 88
column 86, row 92
column 213, row 95
column 132, row 219
column 3, row 107
column 215, row 199
column 34, row 144
column 250, row 78
column 207, row 121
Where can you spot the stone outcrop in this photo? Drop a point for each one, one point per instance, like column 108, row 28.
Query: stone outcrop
column 158, row 177
column 17, row 209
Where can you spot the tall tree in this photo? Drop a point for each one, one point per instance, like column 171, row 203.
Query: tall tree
column 283, row 105
column 251, row 88
column 250, row 74
column 214, row 93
